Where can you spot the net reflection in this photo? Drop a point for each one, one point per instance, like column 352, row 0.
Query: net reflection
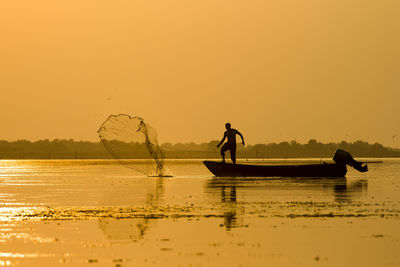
column 134, row 229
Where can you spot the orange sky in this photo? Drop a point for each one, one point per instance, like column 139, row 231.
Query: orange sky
column 277, row 70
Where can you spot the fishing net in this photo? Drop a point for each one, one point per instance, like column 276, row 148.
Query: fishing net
column 133, row 143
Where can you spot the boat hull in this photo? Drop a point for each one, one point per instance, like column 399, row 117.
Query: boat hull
column 221, row 169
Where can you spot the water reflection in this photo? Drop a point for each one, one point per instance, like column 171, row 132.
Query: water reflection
column 231, row 197
column 237, row 196
column 135, row 229
column 228, row 195
column 346, row 192
column 284, row 189
column 125, row 229
column 235, row 199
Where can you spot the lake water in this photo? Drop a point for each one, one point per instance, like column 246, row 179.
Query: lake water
column 98, row 213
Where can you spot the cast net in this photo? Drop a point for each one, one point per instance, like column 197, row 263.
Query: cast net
column 133, row 143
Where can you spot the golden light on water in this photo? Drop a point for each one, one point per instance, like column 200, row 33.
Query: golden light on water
column 96, row 212
column 20, row 255
column 5, row 263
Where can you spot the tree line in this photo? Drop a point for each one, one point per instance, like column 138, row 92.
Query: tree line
column 71, row 149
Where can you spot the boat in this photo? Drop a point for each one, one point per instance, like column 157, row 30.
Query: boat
column 223, row 169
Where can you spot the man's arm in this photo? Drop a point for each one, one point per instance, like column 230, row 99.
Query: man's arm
column 241, row 136
column 223, row 139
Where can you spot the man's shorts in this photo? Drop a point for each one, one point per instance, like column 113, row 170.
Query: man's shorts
column 229, row 146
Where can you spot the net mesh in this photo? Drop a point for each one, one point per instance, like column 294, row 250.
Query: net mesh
column 127, row 138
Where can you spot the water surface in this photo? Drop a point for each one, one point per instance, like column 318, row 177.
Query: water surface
column 96, row 212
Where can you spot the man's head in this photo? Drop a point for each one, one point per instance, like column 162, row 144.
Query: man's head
column 227, row 126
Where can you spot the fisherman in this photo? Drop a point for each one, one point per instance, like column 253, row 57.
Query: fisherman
column 231, row 144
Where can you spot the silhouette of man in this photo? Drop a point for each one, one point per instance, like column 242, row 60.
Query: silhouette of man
column 230, row 133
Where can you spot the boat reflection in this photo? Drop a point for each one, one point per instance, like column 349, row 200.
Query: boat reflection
column 235, row 195
column 347, row 192
column 284, row 189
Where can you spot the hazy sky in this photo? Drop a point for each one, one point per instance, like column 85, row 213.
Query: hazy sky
column 278, row 70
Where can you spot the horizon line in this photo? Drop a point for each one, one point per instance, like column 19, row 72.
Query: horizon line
column 199, row 143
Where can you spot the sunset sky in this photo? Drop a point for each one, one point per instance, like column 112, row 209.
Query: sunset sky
column 278, row 70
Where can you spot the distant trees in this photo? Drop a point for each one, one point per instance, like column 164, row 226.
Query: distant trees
column 70, row 149
column 55, row 149
column 316, row 149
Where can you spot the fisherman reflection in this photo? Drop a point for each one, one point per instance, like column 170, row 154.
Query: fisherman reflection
column 228, row 195
column 231, row 196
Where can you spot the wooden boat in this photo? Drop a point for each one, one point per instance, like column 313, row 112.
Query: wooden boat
column 221, row 169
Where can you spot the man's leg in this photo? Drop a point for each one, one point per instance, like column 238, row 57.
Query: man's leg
column 224, row 148
column 233, row 153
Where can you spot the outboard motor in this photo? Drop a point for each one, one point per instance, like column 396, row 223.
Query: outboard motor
column 344, row 157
